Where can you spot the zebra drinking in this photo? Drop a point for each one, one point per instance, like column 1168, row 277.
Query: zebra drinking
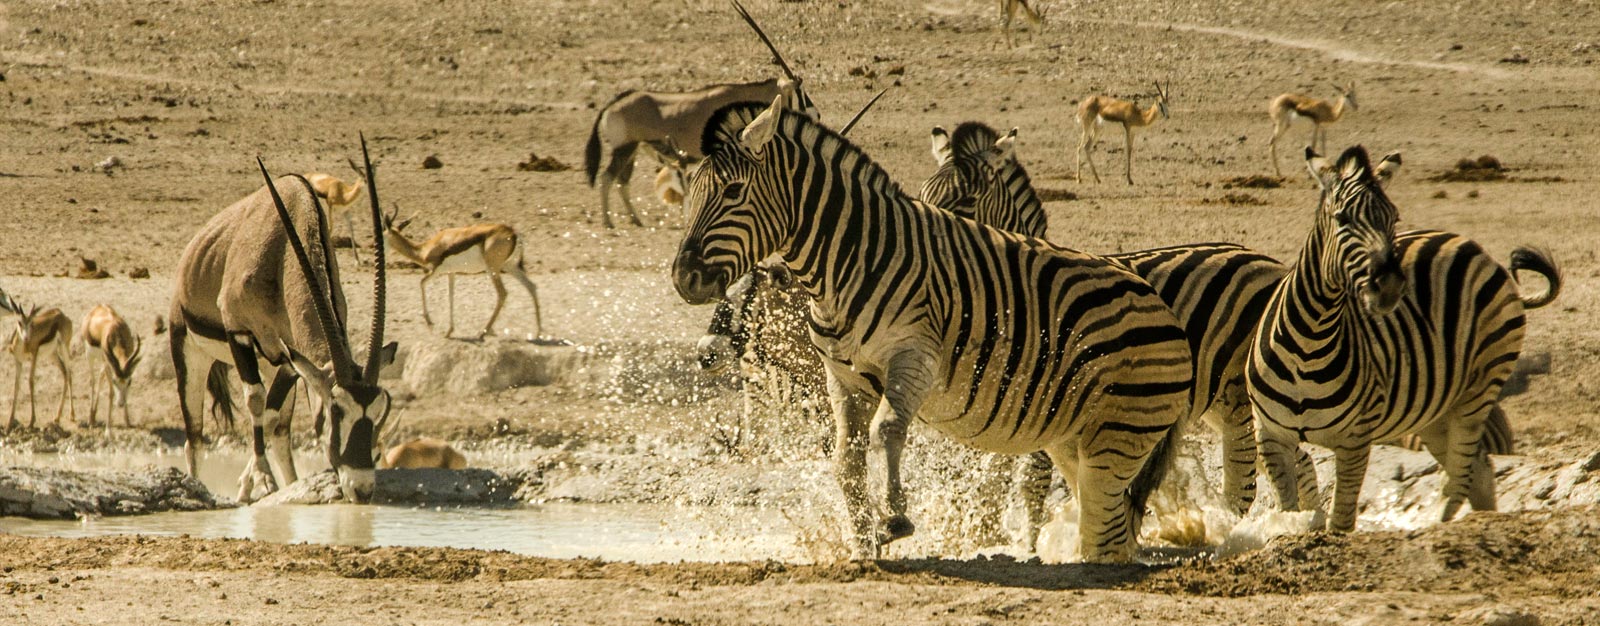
column 1375, row 334
column 999, row 341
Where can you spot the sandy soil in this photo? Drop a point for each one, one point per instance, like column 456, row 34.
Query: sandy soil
column 185, row 94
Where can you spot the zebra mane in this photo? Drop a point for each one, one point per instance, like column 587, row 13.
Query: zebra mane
column 972, row 138
column 722, row 133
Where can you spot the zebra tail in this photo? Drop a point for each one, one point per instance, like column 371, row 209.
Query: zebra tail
column 1149, row 478
column 221, row 392
column 1538, row 261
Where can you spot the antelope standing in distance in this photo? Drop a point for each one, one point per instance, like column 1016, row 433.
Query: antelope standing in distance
column 1008, row 12
column 38, row 332
column 664, row 119
column 258, row 288
column 105, row 333
column 477, row 249
column 1097, row 110
column 1287, row 108
column 423, row 453
column 339, row 195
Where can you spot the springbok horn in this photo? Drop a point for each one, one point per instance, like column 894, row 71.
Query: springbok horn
column 852, row 123
column 332, row 332
column 759, row 33
column 375, row 340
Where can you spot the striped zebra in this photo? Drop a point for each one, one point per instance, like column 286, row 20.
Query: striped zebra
column 1375, row 334
column 1217, row 290
column 1002, row 342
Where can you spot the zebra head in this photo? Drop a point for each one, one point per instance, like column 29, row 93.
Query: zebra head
column 738, row 198
column 1357, row 221
column 968, row 181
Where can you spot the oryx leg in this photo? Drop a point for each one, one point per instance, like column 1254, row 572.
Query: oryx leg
column 608, row 180
column 624, row 176
column 277, row 418
column 499, row 303
column 910, row 376
column 257, row 472
column 191, row 367
column 852, row 417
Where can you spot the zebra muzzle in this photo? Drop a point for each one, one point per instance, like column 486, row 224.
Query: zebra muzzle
column 696, row 283
column 1384, row 289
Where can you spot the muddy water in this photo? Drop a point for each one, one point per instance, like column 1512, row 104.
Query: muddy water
column 629, row 532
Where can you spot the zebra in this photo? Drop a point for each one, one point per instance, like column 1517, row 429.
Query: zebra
column 999, row 341
column 1217, row 290
column 1376, row 334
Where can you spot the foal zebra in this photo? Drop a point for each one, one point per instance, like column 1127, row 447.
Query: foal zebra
column 1375, row 334
column 999, row 341
column 1217, row 290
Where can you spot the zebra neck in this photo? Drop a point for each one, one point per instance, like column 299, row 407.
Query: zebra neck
column 846, row 207
column 1026, row 209
column 1320, row 301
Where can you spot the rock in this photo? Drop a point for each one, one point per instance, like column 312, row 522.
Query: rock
column 536, row 163
column 455, row 367
column 421, row 487
column 109, row 164
column 1592, row 464
column 1498, row 616
column 432, row 162
column 88, row 269
column 139, row 272
column 65, row 494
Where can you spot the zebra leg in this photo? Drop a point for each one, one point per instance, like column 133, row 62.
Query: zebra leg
column 1277, row 445
column 852, row 417
column 909, row 377
column 1351, row 464
column 1306, row 481
column 1230, row 417
column 1106, row 532
column 1469, row 476
column 1032, row 478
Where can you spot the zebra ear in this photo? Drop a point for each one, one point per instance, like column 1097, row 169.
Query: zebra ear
column 941, row 145
column 1003, row 152
column 760, row 131
column 1387, row 167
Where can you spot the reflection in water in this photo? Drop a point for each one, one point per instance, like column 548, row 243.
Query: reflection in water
column 643, row 533
column 219, row 468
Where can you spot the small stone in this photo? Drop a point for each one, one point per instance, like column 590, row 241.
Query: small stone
column 1592, row 464
column 432, row 163
column 271, row 601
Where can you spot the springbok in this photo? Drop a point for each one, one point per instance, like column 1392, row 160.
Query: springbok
column 477, row 249
column 423, row 453
column 243, row 300
column 1097, row 110
column 1008, row 12
column 666, row 119
column 339, row 195
column 105, row 332
column 38, row 332
column 1287, row 108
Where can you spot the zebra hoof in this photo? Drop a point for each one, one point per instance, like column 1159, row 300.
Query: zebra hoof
column 898, row 527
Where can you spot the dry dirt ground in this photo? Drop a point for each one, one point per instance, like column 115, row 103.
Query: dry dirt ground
column 186, row 93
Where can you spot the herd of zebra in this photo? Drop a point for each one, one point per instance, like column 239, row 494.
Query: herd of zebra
column 956, row 310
